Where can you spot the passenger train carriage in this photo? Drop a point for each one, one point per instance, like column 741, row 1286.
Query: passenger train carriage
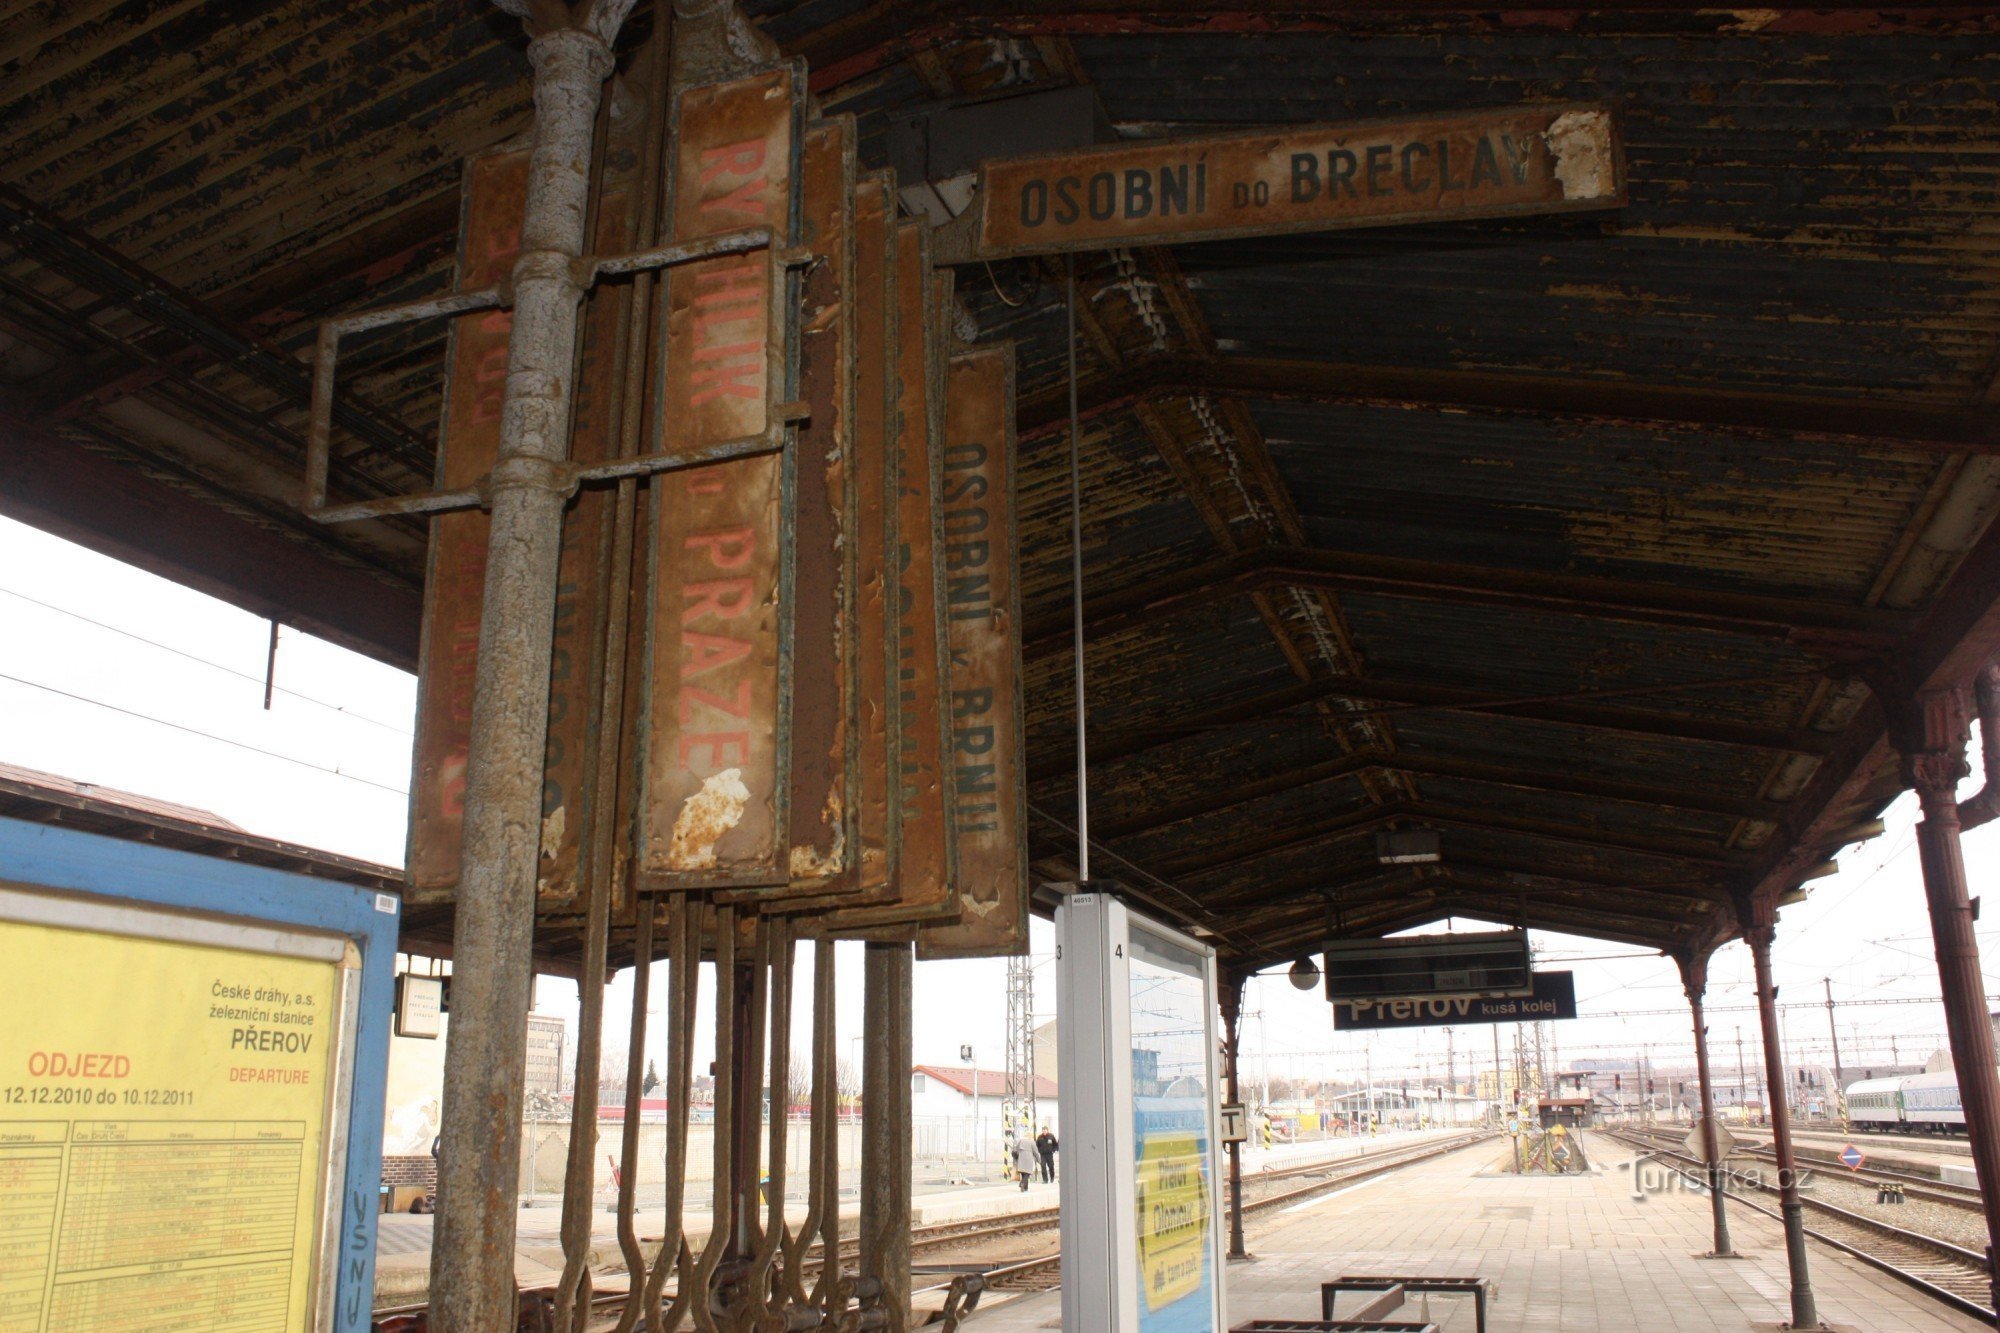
column 1924, row 1102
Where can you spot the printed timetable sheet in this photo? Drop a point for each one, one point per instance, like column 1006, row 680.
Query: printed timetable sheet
column 163, row 1122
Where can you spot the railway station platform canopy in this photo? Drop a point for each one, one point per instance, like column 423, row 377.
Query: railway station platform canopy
column 1603, row 544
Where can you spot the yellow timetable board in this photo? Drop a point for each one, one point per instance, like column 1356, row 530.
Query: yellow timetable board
column 1173, row 1216
column 164, row 1113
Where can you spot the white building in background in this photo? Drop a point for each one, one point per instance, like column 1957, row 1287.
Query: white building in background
column 958, row 1112
column 956, row 1090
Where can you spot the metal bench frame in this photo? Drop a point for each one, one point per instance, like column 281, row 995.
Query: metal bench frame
column 1479, row 1288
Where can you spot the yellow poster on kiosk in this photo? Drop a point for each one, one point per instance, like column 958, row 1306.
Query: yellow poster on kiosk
column 164, row 1113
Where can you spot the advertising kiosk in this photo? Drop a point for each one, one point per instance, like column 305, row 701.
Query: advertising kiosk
column 191, row 1082
column 1141, row 1203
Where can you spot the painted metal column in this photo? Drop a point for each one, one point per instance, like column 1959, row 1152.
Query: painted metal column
column 1694, row 977
column 1933, row 740
column 886, row 1070
column 472, row 1272
column 1232, row 1027
column 1764, row 920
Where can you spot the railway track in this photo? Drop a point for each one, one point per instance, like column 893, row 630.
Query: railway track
column 1914, row 1186
column 947, row 1235
column 1044, row 1272
column 1948, row 1273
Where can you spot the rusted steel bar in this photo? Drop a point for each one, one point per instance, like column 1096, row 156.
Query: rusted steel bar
column 1694, row 978
column 645, row 1287
column 822, row 1217
column 635, row 1079
column 722, row 1216
column 472, row 1274
column 326, row 354
column 1763, row 920
column 645, row 465
column 741, row 241
column 775, row 1236
column 885, row 1129
column 684, row 977
column 580, row 1173
column 748, row 1056
column 593, row 874
column 1931, row 731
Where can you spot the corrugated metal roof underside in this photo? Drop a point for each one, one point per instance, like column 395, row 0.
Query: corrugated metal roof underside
column 1684, row 507
column 1776, row 182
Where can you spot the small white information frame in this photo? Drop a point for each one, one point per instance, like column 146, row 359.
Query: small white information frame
column 1137, row 1054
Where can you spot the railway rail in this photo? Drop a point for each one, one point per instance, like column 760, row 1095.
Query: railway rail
column 1915, row 1186
column 1948, row 1273
column 1043, row 1273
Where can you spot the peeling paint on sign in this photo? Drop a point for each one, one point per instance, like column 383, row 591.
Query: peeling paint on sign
column 1580, row 142
column 717, row 616
column 707, row 817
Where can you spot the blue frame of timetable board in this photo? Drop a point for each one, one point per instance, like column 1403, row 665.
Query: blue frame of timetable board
column 208, row 1051
column 1141, row 1196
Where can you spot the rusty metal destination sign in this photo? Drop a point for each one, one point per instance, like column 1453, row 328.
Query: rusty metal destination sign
column 983, row 631
column 823, row 801
column 1538, row 159
column 476, row 379
column 925, row 855
column 455, row 584
column 716, row 773
column 872, row 593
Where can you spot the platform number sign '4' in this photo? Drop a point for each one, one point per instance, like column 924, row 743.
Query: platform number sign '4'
column 1852, row 1156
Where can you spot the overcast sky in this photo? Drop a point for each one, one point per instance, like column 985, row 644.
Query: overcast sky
column 112, row 676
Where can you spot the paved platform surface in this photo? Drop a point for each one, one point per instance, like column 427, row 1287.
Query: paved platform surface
column 1568, row 1253
column 403, row 1240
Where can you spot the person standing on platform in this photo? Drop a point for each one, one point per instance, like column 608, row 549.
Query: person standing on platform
column 1024, row 1160
column 1045, row 1148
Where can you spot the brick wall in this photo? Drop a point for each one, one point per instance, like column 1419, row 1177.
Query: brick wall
column 410, row 1171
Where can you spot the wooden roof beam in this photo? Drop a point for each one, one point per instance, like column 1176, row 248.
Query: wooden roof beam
column 1367, row 820
column 1425, row 765
column 881, row 34
column 1594, row 402
column 1305, row 938
column 1570, row 710
column 1142, row 605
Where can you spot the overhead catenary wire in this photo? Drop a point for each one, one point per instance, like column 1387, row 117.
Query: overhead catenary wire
column 1147, row 877
column 205, row 735
column 207, row 662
